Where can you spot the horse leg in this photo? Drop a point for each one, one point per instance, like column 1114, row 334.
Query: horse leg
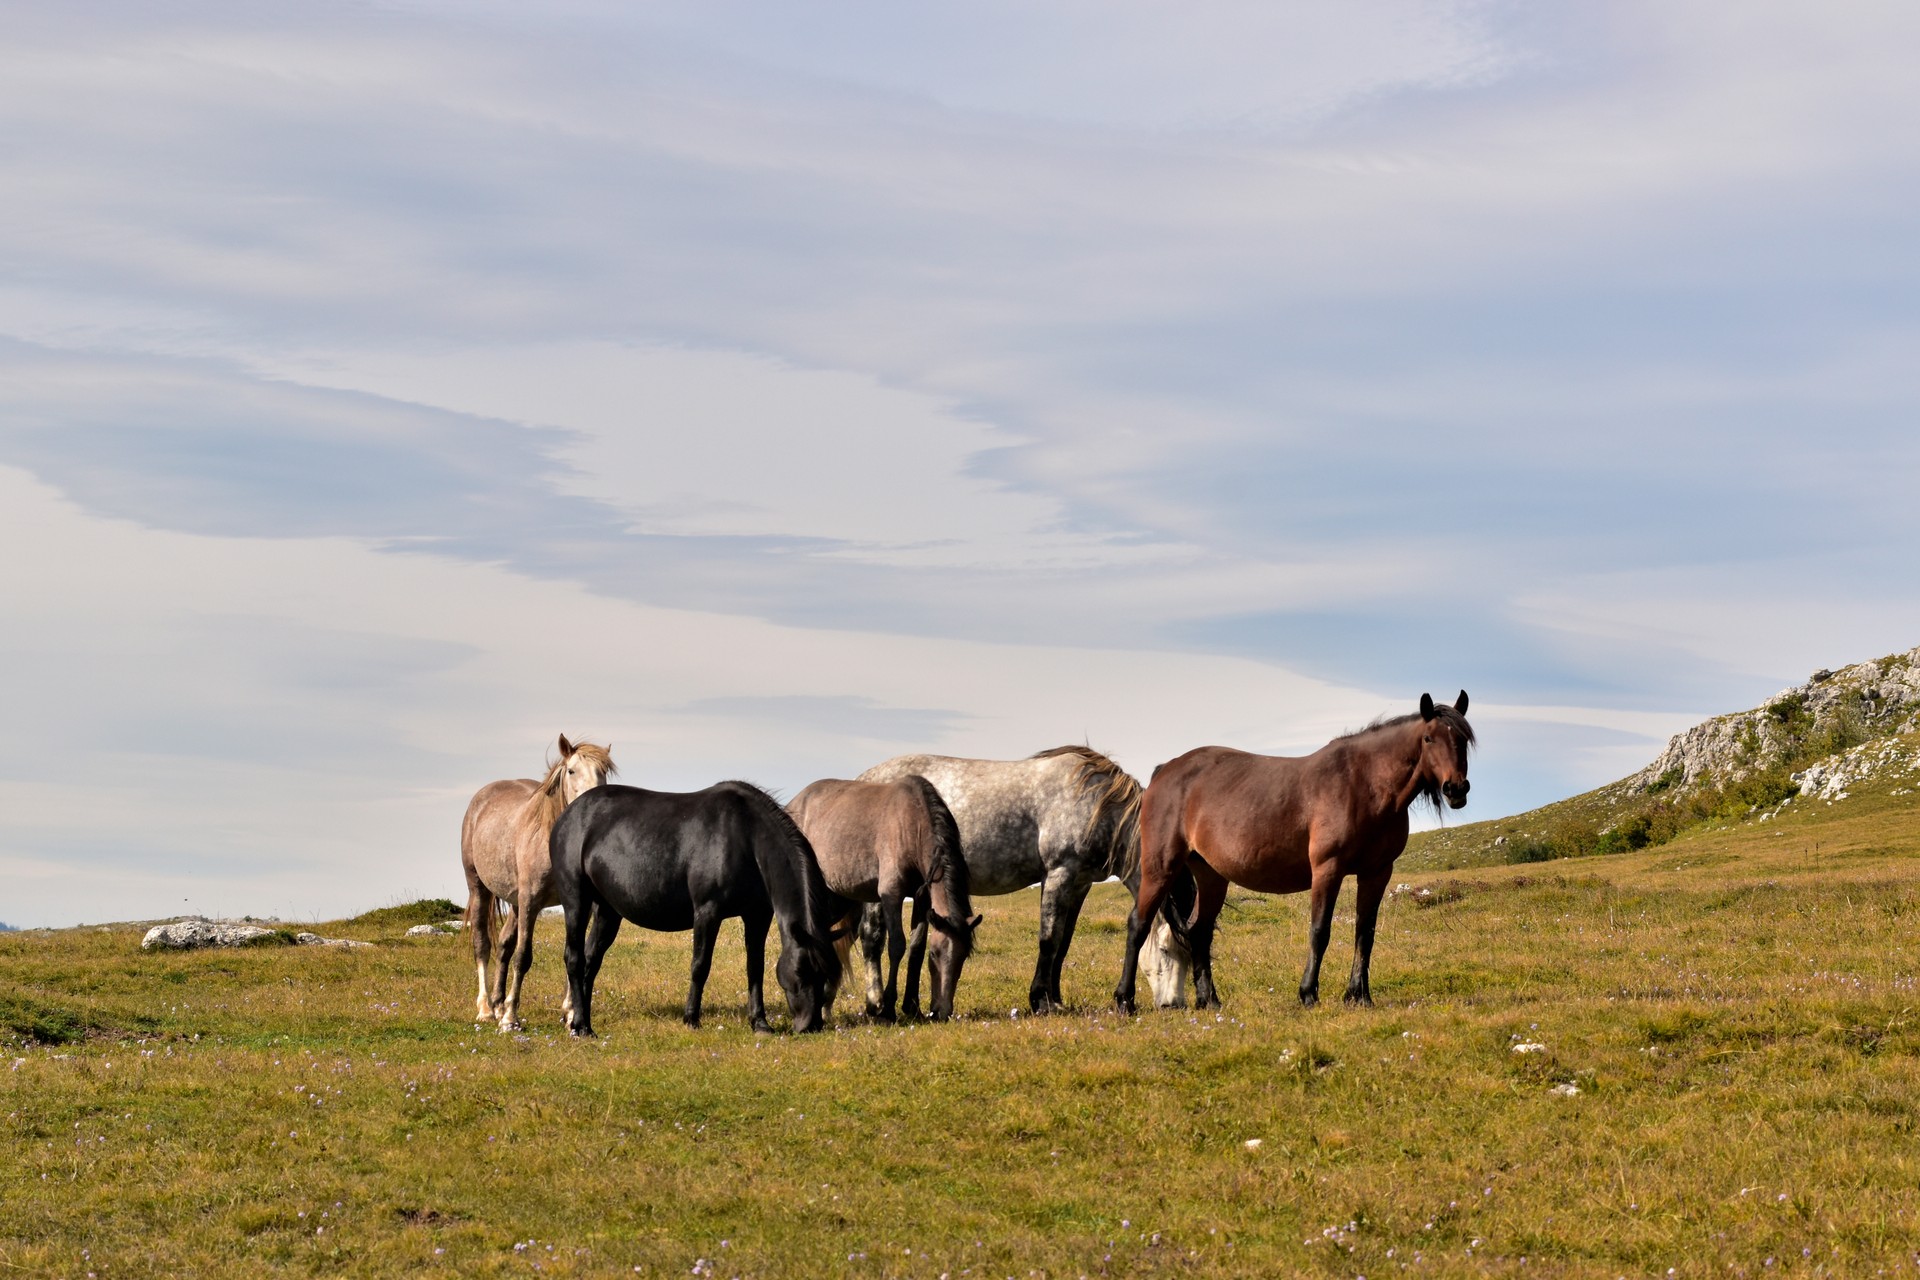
column 522, row 957
column 480, row 927
column 873, row 941
column 581, row 973
column 503, row 966
column 916, row 955
column 1162, row 848
column 896, row 948
column 603, row 922
column 706, row 926
column 1209, row 895
column 756, row 927
column 1326, row 889
column 566, row 995
column 1066, row 918
column 1056, row 893
column 1368, row 891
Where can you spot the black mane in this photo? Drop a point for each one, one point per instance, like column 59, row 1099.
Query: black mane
column 1441, row 711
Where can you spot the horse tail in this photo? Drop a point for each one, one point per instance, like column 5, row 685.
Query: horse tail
column 946, row 863
column 1116, row 807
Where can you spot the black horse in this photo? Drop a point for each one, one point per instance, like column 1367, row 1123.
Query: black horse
column 688, row 860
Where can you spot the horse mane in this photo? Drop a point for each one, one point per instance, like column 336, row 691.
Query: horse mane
column 814, row 894
column 944, row 861
column 1117, row 801
column 1441, row 711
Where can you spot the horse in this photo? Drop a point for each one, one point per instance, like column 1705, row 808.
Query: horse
column 882, row 842
column 503, row 850
column 674, row 861
column 1065, row 817
column 1278, row 824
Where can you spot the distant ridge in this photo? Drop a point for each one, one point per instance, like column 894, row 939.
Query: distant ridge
column 1815, row 738
column 8, row 928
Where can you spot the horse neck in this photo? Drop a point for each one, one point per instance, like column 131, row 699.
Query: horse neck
column 1396, row 783
column 950, row 897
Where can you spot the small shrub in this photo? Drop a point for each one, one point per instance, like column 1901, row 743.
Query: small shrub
column 424, row 911
column 1667, row 781
column 272, row 938
column 1533, row 849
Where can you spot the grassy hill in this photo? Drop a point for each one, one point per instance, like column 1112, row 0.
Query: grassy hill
column 1860, row 721
column 1725, row 1085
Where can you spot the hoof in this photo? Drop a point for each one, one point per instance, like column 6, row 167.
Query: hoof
column 1308, row 999
column 762, row 1027
column 913, row 1011
column 508, row 1026
column 581, row 1033
column 1123, row 1006
column 1359, row 998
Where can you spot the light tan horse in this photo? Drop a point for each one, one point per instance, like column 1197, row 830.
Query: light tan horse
column 503, row 848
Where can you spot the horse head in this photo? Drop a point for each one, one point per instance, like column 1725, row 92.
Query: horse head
column 949, row 943
column 1443, row 748
column 582, row 767
column 808, row 971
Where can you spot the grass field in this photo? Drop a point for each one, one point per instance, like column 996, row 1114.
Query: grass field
column 1736, row 1011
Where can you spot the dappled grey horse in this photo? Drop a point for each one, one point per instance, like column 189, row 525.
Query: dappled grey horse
column 1063, row 819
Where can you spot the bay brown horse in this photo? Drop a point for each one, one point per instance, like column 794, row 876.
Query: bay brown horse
column 503, row 850
column 1281, row 824
column 884, row 842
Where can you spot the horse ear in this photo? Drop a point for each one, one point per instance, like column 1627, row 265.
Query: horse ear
column 566, row 748
column 1426, row 706
column 975, row 922
column 1460, row 703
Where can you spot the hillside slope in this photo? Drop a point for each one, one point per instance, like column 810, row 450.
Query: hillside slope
column 1814, row 741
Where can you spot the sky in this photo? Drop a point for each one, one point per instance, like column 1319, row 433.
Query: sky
column 770, row 389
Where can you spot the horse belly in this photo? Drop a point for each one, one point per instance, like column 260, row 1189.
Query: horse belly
column 643, row 897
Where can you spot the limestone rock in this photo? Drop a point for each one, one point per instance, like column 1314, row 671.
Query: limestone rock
column 315, row 940
column 1881, row 698
column 183, row 935
column 186, row 935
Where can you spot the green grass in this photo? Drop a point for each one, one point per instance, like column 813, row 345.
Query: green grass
column 1737, row 1009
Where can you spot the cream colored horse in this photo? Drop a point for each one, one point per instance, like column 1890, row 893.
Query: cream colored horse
column 503, row 848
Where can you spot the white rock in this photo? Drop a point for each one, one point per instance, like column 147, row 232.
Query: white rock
column 315, row 940
column 1252, row 1144
column 183, row 935
column 1565, row 1090
column 424, row 931
column 1529, row 1046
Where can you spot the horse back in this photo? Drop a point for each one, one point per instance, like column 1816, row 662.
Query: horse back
column 867, row 835
column 1250, row 817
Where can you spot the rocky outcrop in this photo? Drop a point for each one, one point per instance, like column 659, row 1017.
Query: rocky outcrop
column 1829, row 779
column 1867, row 700
column 189, row 934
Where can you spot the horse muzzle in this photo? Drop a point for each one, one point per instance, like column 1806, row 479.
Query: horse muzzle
column 1456, row 793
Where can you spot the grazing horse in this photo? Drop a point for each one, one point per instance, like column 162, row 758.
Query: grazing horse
column 883, row 842
column 674, row 861
column 503, row 849
column 1278, row 824
column 1066, row 817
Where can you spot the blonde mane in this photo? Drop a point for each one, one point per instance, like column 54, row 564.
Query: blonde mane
column 547, row 803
